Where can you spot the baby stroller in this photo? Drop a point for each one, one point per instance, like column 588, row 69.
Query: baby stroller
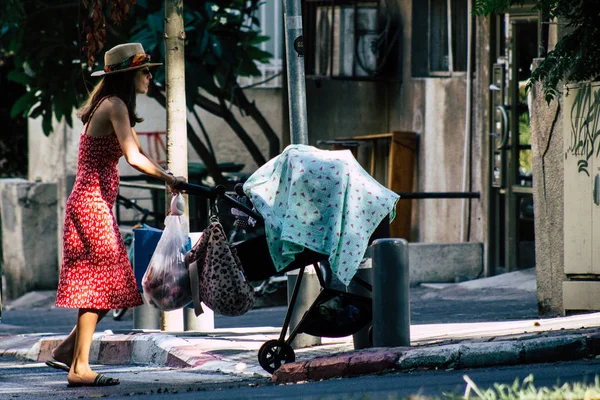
column 333, row 313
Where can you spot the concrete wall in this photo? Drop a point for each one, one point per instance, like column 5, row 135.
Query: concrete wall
column 228, row 147
column 347, row 108
column 29, row 251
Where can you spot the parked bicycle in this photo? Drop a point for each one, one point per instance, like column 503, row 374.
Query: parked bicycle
column 119, row 313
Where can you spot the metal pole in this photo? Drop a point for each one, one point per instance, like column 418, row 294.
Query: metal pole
column 294, row 46
column 391, row 304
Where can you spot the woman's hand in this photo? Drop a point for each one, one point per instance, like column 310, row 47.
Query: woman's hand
column 176, row 181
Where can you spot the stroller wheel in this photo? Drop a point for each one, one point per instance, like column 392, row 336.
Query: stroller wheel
column 118, row 313
column 274, row 353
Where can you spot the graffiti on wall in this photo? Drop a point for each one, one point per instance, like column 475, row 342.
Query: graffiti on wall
column 585, row 127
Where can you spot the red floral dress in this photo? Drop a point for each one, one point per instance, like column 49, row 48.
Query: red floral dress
column 95, row 272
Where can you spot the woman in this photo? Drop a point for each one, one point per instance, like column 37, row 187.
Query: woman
column 96, row 275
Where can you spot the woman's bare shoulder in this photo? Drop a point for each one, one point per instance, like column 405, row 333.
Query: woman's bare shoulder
column 114, row 103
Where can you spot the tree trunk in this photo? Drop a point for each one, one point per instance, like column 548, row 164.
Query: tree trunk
column 177, row 159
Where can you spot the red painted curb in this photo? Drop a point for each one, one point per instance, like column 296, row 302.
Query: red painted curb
column 349, row 364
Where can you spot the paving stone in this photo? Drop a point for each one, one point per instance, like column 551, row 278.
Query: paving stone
column 430, row 357
column 115, row 350
column 369, row 362
column 474, row 355
column 554, row 349
column 593, row 343
column 328, row 367
column 46, row 347
column 291, row 372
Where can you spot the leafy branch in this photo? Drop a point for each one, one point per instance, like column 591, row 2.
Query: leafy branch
column 53, row 60
column 576, row 56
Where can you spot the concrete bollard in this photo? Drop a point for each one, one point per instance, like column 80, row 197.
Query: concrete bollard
column 391, row 293
column 361, row 338
column 205, row 322
column 146, row 317
column 308, row 292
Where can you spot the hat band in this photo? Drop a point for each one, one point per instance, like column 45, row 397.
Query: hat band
column 133, row 61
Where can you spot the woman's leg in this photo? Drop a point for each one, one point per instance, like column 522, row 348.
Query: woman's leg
column 84, row 332
column 64, row 351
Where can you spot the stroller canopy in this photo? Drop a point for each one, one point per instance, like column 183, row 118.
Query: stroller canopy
column 320, row 200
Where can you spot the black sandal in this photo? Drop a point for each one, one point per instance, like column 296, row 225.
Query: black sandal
column 101, row 380
column 58, row 365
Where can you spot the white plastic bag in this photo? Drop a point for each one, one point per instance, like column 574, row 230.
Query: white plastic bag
column 166, row 283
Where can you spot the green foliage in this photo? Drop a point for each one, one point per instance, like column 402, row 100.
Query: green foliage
column 45, row 57
column 576, row 57
column 526, row 390
column 222, row 43
column 494, row 6
column 44, row 40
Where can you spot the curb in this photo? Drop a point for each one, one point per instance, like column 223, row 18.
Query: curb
column 160, row 349
column 147, row 349
column 456, row 356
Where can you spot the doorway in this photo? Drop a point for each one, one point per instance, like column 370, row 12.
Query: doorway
column 512, row 238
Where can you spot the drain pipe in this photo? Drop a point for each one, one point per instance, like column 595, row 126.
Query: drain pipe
column 468, row 113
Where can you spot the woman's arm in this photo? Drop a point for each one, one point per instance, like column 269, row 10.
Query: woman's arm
column 137, row 140
column 119, row 118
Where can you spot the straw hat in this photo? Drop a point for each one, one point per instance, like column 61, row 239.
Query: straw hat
column 125, row 57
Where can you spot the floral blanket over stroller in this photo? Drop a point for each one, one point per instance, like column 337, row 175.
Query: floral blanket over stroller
column 320, row 200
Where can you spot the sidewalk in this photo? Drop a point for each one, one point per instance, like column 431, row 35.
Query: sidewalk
column 433, row 346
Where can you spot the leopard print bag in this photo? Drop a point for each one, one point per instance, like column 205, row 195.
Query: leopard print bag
column 216, row 274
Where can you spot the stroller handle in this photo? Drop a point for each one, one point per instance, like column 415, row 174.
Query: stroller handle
column 217, row 193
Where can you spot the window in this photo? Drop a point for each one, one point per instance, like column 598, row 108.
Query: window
column 439, row 37
column 270, row 15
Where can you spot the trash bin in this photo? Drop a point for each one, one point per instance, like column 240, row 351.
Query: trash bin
column 145, row 240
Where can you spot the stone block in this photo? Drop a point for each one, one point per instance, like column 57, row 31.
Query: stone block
column 430, row 357
column 440, row 262
column 29, row 236
column 444, row 262
column 476, row 355
column 291, row 372
column 559, row 348
column 328, row 367
column 369, row 362
column 115, row 350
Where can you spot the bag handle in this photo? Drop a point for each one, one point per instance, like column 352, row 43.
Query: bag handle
column 195, row 283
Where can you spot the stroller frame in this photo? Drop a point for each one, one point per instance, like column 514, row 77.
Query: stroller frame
column 273, row 353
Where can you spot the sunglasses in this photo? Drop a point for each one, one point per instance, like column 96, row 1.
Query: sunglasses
column 146, row 71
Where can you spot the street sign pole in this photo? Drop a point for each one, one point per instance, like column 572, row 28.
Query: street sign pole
column 294, row 47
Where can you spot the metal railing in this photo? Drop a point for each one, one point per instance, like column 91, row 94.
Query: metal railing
column 439, row 195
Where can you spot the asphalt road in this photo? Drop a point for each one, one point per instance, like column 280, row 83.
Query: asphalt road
column 29, row 381
column 427, row 306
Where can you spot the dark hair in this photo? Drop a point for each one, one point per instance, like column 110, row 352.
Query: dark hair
column 121, row 85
